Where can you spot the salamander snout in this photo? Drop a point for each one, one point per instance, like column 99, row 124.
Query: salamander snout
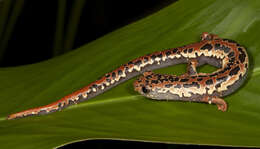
column 140, row 84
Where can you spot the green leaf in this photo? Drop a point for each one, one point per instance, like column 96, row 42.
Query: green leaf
column 121, row 113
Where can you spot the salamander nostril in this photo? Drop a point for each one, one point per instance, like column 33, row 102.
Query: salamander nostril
column 144, row 90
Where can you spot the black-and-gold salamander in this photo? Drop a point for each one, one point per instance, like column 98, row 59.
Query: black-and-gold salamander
column 228, row 56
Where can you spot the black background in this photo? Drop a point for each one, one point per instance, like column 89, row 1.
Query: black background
column 33, row 36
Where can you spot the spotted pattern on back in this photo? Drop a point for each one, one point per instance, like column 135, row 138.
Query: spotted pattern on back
column 231, row 55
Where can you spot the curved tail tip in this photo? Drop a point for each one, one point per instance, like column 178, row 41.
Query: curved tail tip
column 13, row 116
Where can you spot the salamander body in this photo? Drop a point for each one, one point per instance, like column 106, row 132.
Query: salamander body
column 228, row 56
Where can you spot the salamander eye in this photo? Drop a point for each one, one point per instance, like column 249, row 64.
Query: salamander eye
column 145, row 90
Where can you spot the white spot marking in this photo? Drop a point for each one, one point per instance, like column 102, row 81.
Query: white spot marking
column 84, row 95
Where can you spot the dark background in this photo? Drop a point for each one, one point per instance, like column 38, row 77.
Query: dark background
column 101, row 144
column 32, row 40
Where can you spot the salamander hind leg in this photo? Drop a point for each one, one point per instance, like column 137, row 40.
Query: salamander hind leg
column 221, row 104
column 207, row 36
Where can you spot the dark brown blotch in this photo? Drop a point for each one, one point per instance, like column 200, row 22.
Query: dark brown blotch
column 154, row 81
column 199, row 79
column 222, row 79
column 107, row 75
column 70, row 102
column 242, row 55
column 175, row 50
column 223, row 48
column 146, row 59
column 246, row 65
column 176, row 79
column 126, row 69
column 234, row 71
column 222, row 71
column 159, row 55
column 153, row 57
column 173, row 79
column 159, row 76
column 209, row 82
column 207, row 46
column 165, row 79
column 130, row 63
column 104, row 84
column 227, row 68
column 147, row 82
column 202, row 76
column 119, row 72
column 229, row 64
column 168, row 85
column 184, row 80
column 232, row 60
column 170, row 78
column 94, row 86
column 229, row 40
column 217, row 46
column 193, row 77
column 218, row 85
column 138, row 62
column 148, row 77
column 168, row 53
column 213, row 74
column 226, row 49
column 113, row 75
column 231, row 54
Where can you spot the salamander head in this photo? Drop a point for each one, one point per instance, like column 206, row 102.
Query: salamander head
column 146, row 86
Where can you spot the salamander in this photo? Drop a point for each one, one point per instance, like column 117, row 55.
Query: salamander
column 228, row 56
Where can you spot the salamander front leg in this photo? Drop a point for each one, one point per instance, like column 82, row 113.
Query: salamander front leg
column 222, row 105
column 191, row 68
